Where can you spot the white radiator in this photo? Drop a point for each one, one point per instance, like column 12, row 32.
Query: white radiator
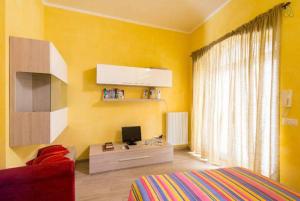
column 177, row 128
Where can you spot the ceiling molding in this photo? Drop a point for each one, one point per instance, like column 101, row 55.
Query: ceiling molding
column 84, row 11
column 210, row 16
column 54, row 5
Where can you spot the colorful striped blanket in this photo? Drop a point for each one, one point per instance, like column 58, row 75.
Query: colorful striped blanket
column 219, row 184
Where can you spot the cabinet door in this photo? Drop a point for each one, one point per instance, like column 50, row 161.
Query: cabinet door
column 159, row 78
column 115, row 75
column 58, row 122
column 58, row 66
column 152, row 77
column 143, row 76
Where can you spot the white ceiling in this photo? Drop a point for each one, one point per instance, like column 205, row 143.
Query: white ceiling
column 177, row 15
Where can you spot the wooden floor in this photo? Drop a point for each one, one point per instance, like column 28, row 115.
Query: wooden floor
column 115, row 185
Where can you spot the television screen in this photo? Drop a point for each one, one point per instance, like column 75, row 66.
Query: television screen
column 131, row 134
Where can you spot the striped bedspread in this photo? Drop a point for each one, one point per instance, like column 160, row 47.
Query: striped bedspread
column 219, row 184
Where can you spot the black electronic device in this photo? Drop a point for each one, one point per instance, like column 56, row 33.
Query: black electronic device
column 131, row 135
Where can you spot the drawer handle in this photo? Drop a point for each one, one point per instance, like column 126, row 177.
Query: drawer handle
column 135, row 158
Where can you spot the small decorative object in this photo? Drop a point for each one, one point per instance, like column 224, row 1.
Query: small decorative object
column 105, row 94
column 113, row 93
column 152, row 93
column 108, row 146
column 158, row 140
column 116, row 94
column 158, row 94
column 146, row 94
column 119, row 94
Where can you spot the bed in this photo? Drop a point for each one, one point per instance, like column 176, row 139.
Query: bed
column 219, row 184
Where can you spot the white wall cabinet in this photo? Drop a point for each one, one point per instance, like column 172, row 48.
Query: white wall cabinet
column 133, row 76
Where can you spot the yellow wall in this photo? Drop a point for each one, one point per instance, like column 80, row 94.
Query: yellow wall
column 24, row 18
column 2, row 87
column 85, row 41
column 238, row 12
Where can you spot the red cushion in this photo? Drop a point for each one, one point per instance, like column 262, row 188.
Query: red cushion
column 30, row 162
column 53, row 149
column 46, row 159
column 43, row 156
column 46, row 152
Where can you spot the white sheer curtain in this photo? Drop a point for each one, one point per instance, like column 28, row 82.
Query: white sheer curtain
column 236, row 97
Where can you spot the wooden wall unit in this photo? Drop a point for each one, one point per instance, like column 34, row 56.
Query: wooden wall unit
column 38, row 76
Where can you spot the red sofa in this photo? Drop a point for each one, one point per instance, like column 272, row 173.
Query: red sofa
column 45, row 182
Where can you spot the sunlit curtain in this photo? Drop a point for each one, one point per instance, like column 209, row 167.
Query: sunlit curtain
column 236, row 97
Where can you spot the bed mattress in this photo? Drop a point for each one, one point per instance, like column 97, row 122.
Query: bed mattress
column 219, row 184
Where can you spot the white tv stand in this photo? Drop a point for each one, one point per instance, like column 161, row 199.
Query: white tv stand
column 120, row 158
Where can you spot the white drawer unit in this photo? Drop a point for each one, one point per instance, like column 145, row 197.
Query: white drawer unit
column 119, row 158
column 133, row 76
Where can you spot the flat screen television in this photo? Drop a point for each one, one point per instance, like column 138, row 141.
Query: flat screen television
column 131, row 135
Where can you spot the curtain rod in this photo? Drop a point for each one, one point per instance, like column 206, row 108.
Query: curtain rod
column 283, row 6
